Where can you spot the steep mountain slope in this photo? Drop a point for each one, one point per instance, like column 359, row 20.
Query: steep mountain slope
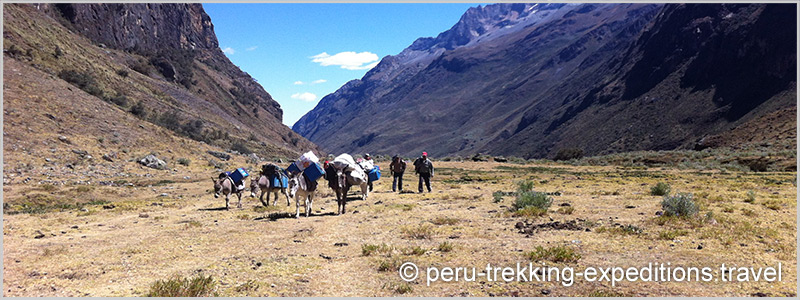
column 696, row 71
column 604, row 78
column 158, row 62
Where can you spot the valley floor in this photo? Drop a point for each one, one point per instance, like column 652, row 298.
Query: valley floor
column 134, row 235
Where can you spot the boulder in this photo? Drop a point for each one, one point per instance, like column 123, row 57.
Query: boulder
column 220, row 155
column 151, row 161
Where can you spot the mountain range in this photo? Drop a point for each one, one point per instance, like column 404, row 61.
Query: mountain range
column 531, row 80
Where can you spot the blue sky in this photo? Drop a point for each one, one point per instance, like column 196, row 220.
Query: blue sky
column 301, row 52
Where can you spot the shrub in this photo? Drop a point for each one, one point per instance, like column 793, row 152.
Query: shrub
column 122, row 72
column 137, row 109
column 554, row 254
column 57, row 53
column 13, row 51
column 680, row 205
column 524, row 186
column 751, row 197
column 84, row 81
column 538, row 200
column 184, row 161
column 199, row 286
column 118, row 99
column 568, row 154
column 142, row 66
column 660, row 189
column 498, row 196
column 241, row 147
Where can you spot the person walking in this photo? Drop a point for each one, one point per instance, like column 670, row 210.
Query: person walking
column 424, row 167
column 398, row 167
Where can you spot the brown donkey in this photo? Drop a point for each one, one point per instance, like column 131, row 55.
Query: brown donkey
column 226, row 186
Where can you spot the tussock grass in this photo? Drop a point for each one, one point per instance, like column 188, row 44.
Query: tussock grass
column 369, row 249
column 445, row 246
column 566, row 210
column 672, row 234
column 398, row 288
column 530, row 212
column 389, row 264
column 250, row 285
column 191, row 223
column 416, row 250
column 199, row 286
column 403, row 288
column 553, row 254
column 773, row 204
column 420, row 232
column 751, row 197
column 444, row 221
column 748, row 212
column 660, row 189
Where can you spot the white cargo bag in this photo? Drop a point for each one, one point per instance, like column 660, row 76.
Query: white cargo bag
column 306, row 160
column 344, row 162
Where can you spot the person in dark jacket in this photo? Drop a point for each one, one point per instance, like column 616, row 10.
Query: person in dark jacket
column 424, row 167
column 398, row 167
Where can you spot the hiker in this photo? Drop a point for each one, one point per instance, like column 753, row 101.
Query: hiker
column 424, row 167
column 397, row 167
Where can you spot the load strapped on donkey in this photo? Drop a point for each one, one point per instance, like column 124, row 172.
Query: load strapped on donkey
column 273, row 173
column 237, row 176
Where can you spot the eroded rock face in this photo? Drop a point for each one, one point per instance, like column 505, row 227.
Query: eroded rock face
column 170, row 35
column 142, row 26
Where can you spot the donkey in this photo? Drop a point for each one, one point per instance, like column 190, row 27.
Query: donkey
column 357, row 181
column 300, row 187
column 337, row 181
column 226, row 186
column 265, row 185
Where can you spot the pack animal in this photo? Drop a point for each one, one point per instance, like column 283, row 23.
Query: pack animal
column 302, row 188
column 337, row 181
column 224, row 185
column 265, row 185
column 357, row 181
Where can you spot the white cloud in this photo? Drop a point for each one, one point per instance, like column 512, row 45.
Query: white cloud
column 252, row 48
column 299, row 82
column 319, row 81
column 347, row 60
column 308, row 97
column 228, row 50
